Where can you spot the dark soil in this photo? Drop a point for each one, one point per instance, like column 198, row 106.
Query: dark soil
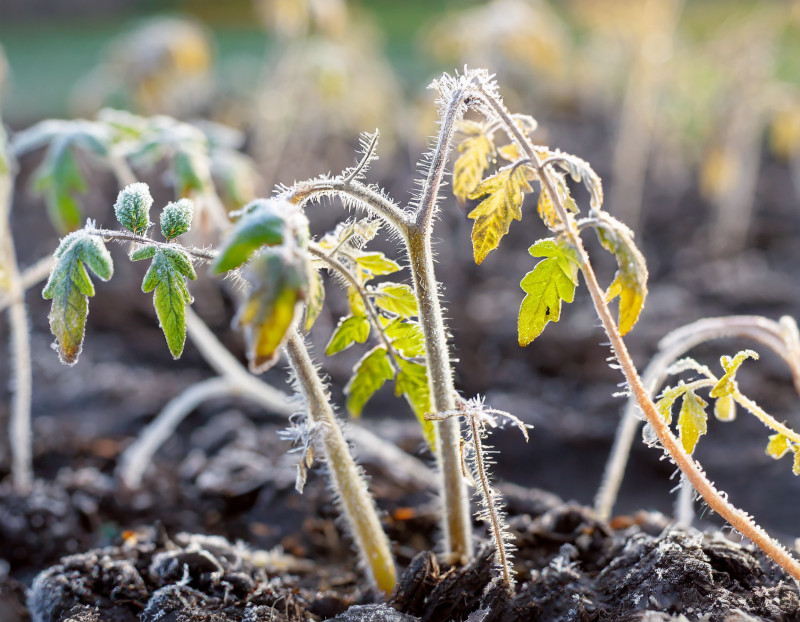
column 89, row 550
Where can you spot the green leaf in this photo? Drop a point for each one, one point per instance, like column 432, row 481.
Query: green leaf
column 493, row 216
column 371, row 372
column 630, row 281
column 552, row 281
column 59, row 178
column 192, row 170
column 355, row 302
column 132, row 208
column 778, row 446
column 263, row 223
column 176, row 219
column 412, row 381
column 377, row 264
column 351, row 329
column 397, row 299
column 279, row 279
column 69, row 287
column 727, row 384
column 406, row 336
column 692, row 420
column 166, row 276
column 144, row 252
column 316, row 299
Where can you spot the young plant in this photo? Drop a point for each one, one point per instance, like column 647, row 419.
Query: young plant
column 554, row 279
column 272, row 237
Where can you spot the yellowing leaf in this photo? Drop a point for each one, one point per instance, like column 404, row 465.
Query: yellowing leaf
column 493, row 216
column 630, row 281
column 551, row 281
column 796, row 463
column 725, row 408
column 377, row 264
column 351, row 329
column 667, row 399
column 727, row 384
column 355, row 302
column 412, row 381
column 778, row 446
column 692, row 420
column 371, row 373
column 316, row 298
column 477, row 153
column 510, row 152
column 397, row 299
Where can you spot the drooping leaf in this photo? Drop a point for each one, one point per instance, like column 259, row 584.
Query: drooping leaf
column 351, row 329
column 778, row 446
column 176, row 218
column 547, row 209
column 692, row 420
column 396, row 298
column 727, row 384
column 377, row 264
column 552, row 280
column 725, row 408
column 167, row 276
column 316, row 299
column 69, row 287
column 279, row 279
column 370, row 374
column 506, row 190
column 412, row 381
column 477, row 153
column 264, row 222
column 406, row 336
column 581, row 171
column 630, row 281
column 667, row 399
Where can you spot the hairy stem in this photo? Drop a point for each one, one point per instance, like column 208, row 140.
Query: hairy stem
column 347, row 479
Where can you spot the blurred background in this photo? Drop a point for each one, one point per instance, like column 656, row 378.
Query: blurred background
column 688, row 109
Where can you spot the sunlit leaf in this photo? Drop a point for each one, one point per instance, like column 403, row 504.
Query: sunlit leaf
column 477, row 153
column 510, row 152
column 176, row 218
column 725, row 408
column 396, row 298
column 132, row 207
column 692, row 420
column 727, row 384
column 167, row 276
column 630, row 281
column 377, row 264
column 778, row 446
column 796, row 462
column 279, row 279
column 506, row 190
column 351, row 329
column 581, row 171
column 316, row 299
column 667, row 399
column 412, row 381
column 552, row 281
column 406, row 336
column 371, row 372
column 69, row 287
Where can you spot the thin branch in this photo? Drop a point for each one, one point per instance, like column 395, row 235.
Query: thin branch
column 124, row 236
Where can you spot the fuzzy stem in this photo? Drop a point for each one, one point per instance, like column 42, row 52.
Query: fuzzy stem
column 495, row 522
column 117, row 236
column 673, row 346
column 346, row 478
column 694, row 473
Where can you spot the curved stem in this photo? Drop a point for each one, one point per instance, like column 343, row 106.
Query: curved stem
column 347, row 479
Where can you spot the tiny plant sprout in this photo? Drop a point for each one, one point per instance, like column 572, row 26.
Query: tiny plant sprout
column 132, row 208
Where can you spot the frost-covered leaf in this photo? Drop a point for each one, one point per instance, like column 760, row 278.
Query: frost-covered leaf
column 396, row 298
column 778, row 446
column 176, row 218
column 316, row 298
column 351, row 329
column 581, row 171
column 725, row 408
column 167, row 276
column 69, row 287
column 370, row 373
column 355, row 302
column 132, row 207
column 477, row 153
column 506, row 190
column 692, row 420
column 279, row 279
column 551, row 281
column 412, row 381
column 630, row 281
column 510, row 152
column 727, row 384
column 667, row 399
column 377, row 264
column 796, row 462
column 406, row 337
column 264, row 222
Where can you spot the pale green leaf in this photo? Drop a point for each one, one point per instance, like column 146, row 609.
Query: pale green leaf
column 406, row 337
column 692, row 420
column 370, row 374
column 412, row 381
column 396, row 298
column 351, row 329
column 552, row 281
column 377, row 264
